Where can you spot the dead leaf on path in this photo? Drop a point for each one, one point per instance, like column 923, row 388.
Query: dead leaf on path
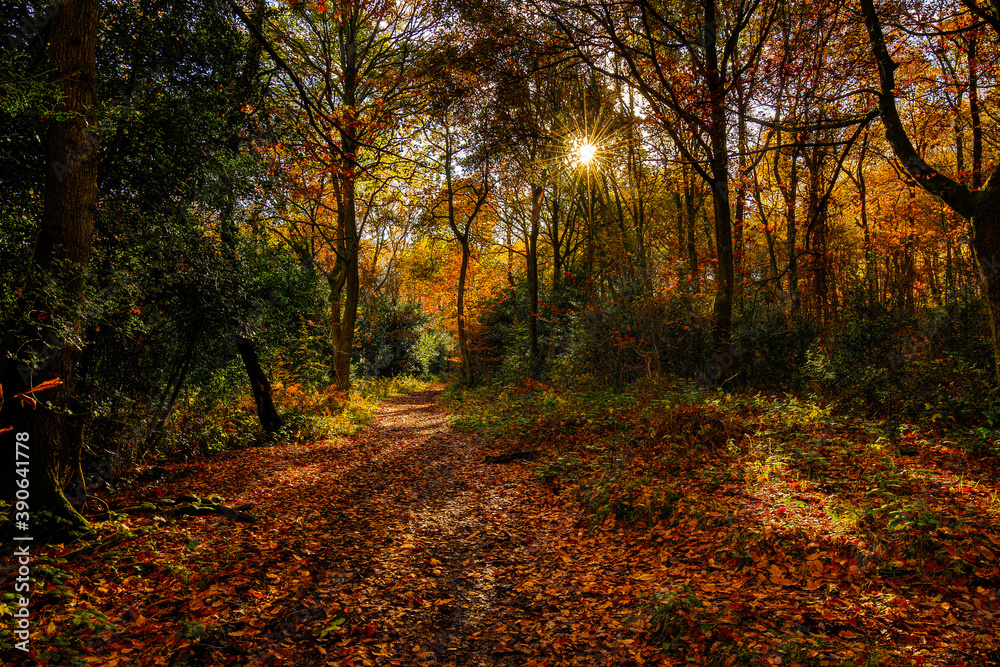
column 778, row 577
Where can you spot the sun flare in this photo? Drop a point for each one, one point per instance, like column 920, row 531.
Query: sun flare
column 585, row 152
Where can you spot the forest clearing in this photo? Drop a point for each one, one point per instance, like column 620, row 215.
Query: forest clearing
column 477, row 332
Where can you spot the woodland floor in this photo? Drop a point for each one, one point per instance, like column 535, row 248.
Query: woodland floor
column 400, row 546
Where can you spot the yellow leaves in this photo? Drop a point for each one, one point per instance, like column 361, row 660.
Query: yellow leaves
column 645, row 577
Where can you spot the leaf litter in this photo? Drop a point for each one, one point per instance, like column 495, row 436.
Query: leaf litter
column 400, row 546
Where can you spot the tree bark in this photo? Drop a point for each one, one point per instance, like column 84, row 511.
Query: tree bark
column 556, row 275
column 692, row 249
column 972, row 53
column 723, row 309
column 349, row 145
column 63, row 249
column 532, row 270
column 790, row 195
column 260, row 386
column 463, row 336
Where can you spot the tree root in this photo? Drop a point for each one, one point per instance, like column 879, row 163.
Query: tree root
column 194, row 506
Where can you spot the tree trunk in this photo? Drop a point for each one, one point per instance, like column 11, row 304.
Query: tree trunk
column 347, row 215
column 352, row 289
column 974, row 112
column 532, row 257
column 986, row 243
column 723, row 310
column 556, row 272
column 260, row 386
column 790, row 193
column 63, row 249
column 981, row 208
column 463, row 338
column 692, row 249
column 590, row 239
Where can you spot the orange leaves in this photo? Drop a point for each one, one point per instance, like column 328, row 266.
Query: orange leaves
column 404, row 549
column 48, row 384
column 26, row 399
column 777, row 576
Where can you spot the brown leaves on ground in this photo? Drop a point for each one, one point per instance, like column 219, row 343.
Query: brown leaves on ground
column 395, row 546
column 399, row 546
column 790, row 540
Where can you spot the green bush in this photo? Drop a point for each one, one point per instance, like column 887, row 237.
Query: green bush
column 432, row 351
column 396, row 340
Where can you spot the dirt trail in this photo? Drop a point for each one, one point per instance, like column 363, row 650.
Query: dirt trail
column 420, row 563
column 400, row 546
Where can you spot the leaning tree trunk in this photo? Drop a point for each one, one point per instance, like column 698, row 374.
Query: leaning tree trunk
column 986, row 242
column 63, row 250
column 260, row 385
column 981, row 208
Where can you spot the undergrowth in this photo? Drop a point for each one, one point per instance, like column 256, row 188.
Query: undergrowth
column 764, row 483
column 309, row 412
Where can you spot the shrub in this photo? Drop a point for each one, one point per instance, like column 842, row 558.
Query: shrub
column 398, row 340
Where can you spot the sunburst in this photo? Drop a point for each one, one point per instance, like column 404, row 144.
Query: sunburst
column 584, row 152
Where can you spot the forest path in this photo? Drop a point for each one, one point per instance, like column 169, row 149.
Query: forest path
column 424, row 528
column 395, row 546
column 422, row 555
